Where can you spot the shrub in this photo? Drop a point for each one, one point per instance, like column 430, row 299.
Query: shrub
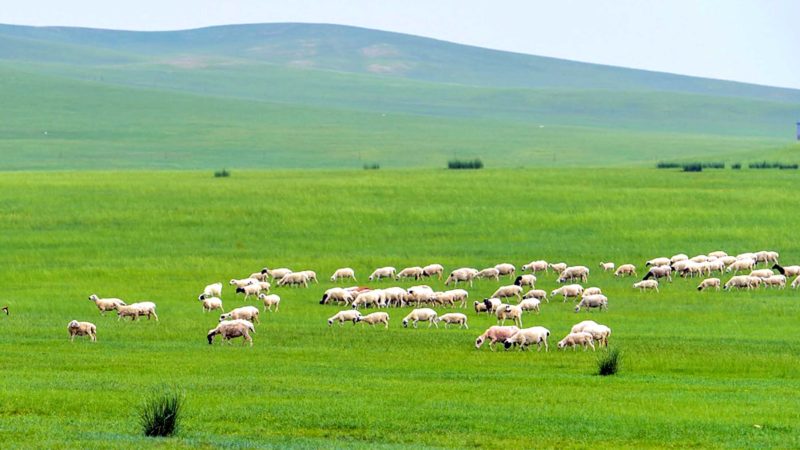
column 693, row 167
column 465, row 164
column 771, row 165
column 736, row 166
column 667, row 165
column 160, row 414
column 371, row 166
column 608, row 362
column 222, row 173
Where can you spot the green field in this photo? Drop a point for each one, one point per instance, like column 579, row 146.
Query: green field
column 700, row 369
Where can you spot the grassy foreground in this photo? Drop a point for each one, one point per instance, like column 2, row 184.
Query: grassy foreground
column 706, row 370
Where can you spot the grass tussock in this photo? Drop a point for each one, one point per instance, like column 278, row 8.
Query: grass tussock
column 690, row 166
column 159, row 415
column 371, row 166
column 771, row 165
column 608, row 362
column 224, row 173
column 465, row 164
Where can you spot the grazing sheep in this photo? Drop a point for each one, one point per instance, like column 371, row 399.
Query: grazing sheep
column 789, row 271
column 495, row 334
column 600, row 333
column 343, row 273
column 678, row 257
column 76, row 328
column 410, row 272
column 134, row 310
column 795, row 285
column 104, row 304
column 558, row 267
column 480, row 307
column 508, row 291
column 690, row 268
column 423, row 315
column 709, row 283
column 646, row 284
column 767, row 257
column 655, row 262
column 711, row 266
column 526, row 280
column 212, row 290
column 527, row 336
column 755, row 282
column 337, row 294
column 250, row 289
column 374, row 318
column 457, row 295
column 294, row 279
column 420, row 294
column 593, row 301
column 539, row 294
column 463, row 274
column 383, row 272
column 570, row 290
column 243, row 282
column 738, row 282
column 535, row 266
column 260, row 276
column 775, row 280
column 245, row 313
column 699, row 258
column 371, row 298
column 727, row 260
column 345, row 316
column 748, row 255
column 606, row 266
column 659, row 272
column 625, row 270
column 395, row 296
column 594, row 290
column 212, row 303
column 530, row 304
column 264, row 286
column 442, row 299
column 574, row 273
column 574, row 340
column 230, row 329
column 506, row 269
column 762, row 273
column 453, row 318
column 741, row 264
column 580, row 326
column 718, row 254
column 310, row 275
column 513, row 312
column 492, row 304
column 433, row 269
column 489, row 273
column 270, row 301
column 277, row 274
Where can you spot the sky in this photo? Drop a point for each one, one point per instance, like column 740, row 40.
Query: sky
column 755, row 41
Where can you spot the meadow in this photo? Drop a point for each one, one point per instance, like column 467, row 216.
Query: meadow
column 710, row 370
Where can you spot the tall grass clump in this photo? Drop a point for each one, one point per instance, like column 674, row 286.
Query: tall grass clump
column 771, row 165
column 222, row 173
column 736, row 166
column 371, row 166
column 159, row 415
column 608, row 362
column 694, row 167
column 667, row 165
column 465, row 164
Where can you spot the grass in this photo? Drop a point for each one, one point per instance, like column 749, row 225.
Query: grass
column 714, row 364
column 608, row 362
column 160, row 414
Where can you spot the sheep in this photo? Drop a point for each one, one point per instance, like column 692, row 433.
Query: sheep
column 76, row 328
column 762, row 273
column 573, row 340
column 727, row 260
column 457, row 295
column 591, row 291
column 625, row 270
column 513, row 312
column 294, row 279
column 755, row 282
column 212, row 303
column 741, row 264
column 699, row 258
column 659, row 272
column 489, row 273
column 212, row 290
column 655, row 262
column 795, row 285
column 558, row 267
column 690, row 268
column 535, row 266
column 277, row 274
column 600, row 333
column 748, row 255
column 395, row 296
column 345, row 316
column 738, row 282
column 494, row 334
column 374, row 318
column 104, row 304
column 491, row 304
column 421, row 314
column 250, row 289
column 580, row 326
column 260, row 276
column 343, row 273
column 789, row 271
column 678, row 257
column 593, row 301
column 508, row 291
column 4, row 309
column 245, row 313
column 433, row 269
column 767, row 256
column 134, row 310
column 606, row 266
column 775, row 280
column 420, row 294
column 711, row 266
column 574, row 273
column 310, row 275
column 453, row 318
column 410, row 272
column 337, row 294
column 270, row 301
column 371, row 298
column 570, row 290
column 243, row 282
column 646, row 284
column 382, row 272
column 718, row 254
column 539, row 294
column 264, row 286
column 709, row 283
column 480, row 307
column 506, row 269
column 230, row 329
column 530, row 304
column 526, row 280
column 527, row 336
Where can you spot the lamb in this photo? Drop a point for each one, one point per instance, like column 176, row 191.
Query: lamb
column 134, row 310
column 508, row 291
column 659, row 272
column 371, row 298
column 250, row 289
column 625, row 270
column 395, row 296
column 709, row 283
column 494, row 334
column 570, row 290
column 277, row 274
column 606, row 266
column 230, row 329
column 573, row 340
column 738, row 282
column 243, row 282
column 383, row 272
column 574, row 273
column 795, row 285
column 762, row 273
column 558, row 267
column 593, row 301
column 775, row 280
column 539, row 294
column 421, row 314
column 600, row 333
column 489, row 273
column 374, row 318
column 789, row 271
column 212, row 290
column 530, row 304
column 345, row 316
column 527, row 336
column 526, row 280
column 453, row 318
column 741, row 264
column 245, row 313
column 655, row 262
column 513, row 312
column 338, row 295
column 104, row 304
column 410, row 272
column 646, row 284
column 76, row 328
column 310, row 275
column 506, row 269
column 433, row 269
column 591, row 291
column 343, row 273
column 535, row 266
column 420, row 294
column 580, row 326
column 294, row 279
column 270, row 301
column 212, row 303
column 463, row 274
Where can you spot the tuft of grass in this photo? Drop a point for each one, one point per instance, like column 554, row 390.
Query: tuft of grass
column 465, row 164
column 159, row 415
column 608, row 362
column 736, row 166
column 222, row 173
column 372, row 166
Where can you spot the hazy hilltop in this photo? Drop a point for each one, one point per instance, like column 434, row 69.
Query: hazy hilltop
column 330, row 87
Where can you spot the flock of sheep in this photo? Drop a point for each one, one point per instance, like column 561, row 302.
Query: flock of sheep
column 239, row 322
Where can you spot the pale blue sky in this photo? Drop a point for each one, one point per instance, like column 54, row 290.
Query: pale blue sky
column 745, row 40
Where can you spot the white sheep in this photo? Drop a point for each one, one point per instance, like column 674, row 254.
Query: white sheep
column 625, row 270
column 709, row 283
column 382, row 272
column 574, row 273
column 375, row 297
column 678, row 257
column 539, row 294
column 738, row 282
column 395, row 296
column 600, row 333
column 433, row 269
column 699, row 258
column 594, row 290
column 558, row 267
column 580, row 326
column 495, row 334
column 375, row 318
column 415, row 272
column 766, row 256
column 264, row 286
column 606, row 266
column 106, row 304
column 530, row 304
column 245, row 313
column 457, row 295
column 270, row 301
column 243, row 282
column 506, row 269
column 789, row 271
column 76, row 328
column 343, row 273
column 659, row 272
column 741, row 264
column 489, row 273
column 535, row 266
column 795, row 285
column 250, row 289
column 420, row 294
column 277, row 274
column 310, row 275
column 212, row 303
column 526, row 280
column 134, row 310
column 338, row 295
column 762, row 273
column 230, row 329
column 661, row 261
column 593, row 301
column 527, row 336
column 573, row 340
column 570, row 290
column 453, row 318
column 718, row 254
column 347, row 315
column 260, row 276
column 508, row 291
column 646, row 285
column 506, row 311
column 212, row 290
column 421, row 315
column 294, row 279
column 775, row 280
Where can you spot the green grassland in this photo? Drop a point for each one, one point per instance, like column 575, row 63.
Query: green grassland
column 700, row 369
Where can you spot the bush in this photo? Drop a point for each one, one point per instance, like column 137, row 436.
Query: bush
column 222, row 173
column 160, row 414
column 771, row 165
column 608, row 362
column 736, row 166
column 371, row 166
column 667, row 165
column 693, row 167
column 465, row 164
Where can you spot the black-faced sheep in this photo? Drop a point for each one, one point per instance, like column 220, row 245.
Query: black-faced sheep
column 709, row 283
column 657, row 272
column 526, row 280
column 348, row 315
column 655, row 262
column 338, row 295
column 375, row 318
column 212, row 290
column 788, row 271
column 527, row 336
column 250, row 289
